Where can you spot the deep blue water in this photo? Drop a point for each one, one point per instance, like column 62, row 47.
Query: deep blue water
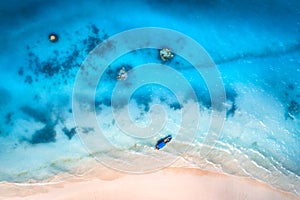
column 255, row 46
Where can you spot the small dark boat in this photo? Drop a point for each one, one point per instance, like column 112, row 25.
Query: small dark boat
column 163, row 141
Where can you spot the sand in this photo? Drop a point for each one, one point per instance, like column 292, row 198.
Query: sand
column 170, row 183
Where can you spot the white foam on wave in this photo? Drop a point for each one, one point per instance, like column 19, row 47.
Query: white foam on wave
column 265, row 144
column 251, row 143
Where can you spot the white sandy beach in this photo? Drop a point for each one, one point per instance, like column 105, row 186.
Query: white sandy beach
column 170, row 183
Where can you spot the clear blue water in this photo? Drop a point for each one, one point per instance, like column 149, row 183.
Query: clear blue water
column 256, row 48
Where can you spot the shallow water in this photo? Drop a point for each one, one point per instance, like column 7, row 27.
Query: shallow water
column 255, row 47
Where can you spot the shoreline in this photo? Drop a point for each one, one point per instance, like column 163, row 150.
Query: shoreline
column 169, row 183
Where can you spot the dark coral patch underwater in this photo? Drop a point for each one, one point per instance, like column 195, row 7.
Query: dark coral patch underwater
column 61, row 62
column 45, row 135
column 69, row 132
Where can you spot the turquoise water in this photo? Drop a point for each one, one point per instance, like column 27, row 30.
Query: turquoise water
column 254, row 45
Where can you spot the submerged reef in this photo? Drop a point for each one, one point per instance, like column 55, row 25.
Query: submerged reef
column 293, row 110
column 61, row 62
column 175, row 106
column 36, row 114
column 8, row 118
column 69, row 133
column 291, row 101
column 45, row 135
column 231, row 95
column 144, row 100
column 231, row 111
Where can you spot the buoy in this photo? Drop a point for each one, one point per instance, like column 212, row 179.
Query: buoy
column 53, row 37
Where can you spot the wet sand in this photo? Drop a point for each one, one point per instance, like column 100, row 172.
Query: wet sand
column 170, row 183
